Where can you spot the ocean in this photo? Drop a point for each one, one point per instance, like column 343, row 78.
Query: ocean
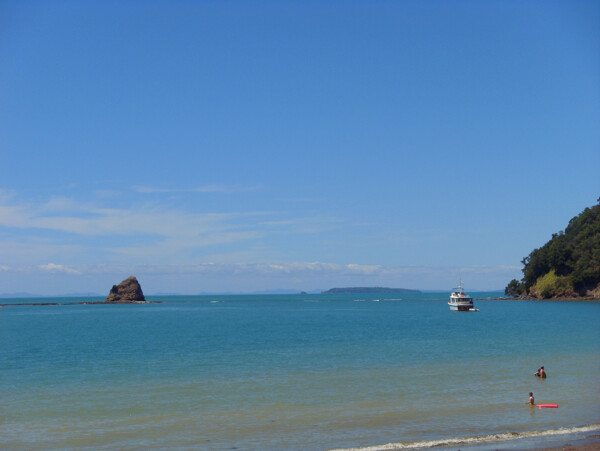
column 297, row 372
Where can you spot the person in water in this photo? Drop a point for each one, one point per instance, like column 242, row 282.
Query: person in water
column 531, row 400
column 541, row 373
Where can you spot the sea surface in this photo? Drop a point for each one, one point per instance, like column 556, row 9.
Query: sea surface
column 297, row 372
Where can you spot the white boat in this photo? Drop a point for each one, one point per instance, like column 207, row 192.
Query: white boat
column 459, row 300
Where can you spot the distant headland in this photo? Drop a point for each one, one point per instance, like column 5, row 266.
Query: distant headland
column 355, row 290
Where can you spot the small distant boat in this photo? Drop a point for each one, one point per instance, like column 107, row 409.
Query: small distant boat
column 459, row 300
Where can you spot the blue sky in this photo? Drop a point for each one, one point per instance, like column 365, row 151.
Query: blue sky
column 243, row 146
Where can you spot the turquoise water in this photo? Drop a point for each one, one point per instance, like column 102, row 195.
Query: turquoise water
column 291, row 372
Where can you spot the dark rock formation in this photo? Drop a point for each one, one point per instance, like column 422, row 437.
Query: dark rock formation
column 127, row 292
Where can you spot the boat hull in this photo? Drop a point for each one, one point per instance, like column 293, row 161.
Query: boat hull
column 460, row 307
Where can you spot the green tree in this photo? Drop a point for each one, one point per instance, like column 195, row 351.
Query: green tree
column 573, row 254
column 514, row 288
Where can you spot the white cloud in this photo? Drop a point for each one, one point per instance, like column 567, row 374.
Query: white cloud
column 246, row 277
column 321, row 268
column 364, row 269
column 54, row 268
column 71, row 235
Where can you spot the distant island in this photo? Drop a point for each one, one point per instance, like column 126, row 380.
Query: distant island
column 567, row 266
column 355, row 290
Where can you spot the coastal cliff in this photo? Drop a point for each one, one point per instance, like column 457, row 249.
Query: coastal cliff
column 567, row 266
column 127, row 292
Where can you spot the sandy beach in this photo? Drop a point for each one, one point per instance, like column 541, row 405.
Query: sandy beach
column 589, row 444
column 569, row 447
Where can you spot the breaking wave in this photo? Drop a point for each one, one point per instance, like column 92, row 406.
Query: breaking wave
column 465, row 441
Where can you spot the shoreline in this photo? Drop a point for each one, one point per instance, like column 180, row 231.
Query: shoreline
column 582, row 438
column 35, row 304
column 568, row 447
column 591, row 443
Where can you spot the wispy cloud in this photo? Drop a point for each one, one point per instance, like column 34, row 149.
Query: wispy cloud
column 145, row 189
column 24, row 250
column 190, row 278
column 67, row 238
column 54, row 268
column 68, row 215
column 210, row 268
column 142, row 232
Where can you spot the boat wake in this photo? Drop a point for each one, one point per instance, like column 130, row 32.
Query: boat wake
column 470, row 441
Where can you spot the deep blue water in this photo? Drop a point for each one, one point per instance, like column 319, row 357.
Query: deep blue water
column 292, row 371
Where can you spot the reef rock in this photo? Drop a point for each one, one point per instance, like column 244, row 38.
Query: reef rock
column 127, row 292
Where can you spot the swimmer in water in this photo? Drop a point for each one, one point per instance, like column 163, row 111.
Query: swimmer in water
column 531, row 400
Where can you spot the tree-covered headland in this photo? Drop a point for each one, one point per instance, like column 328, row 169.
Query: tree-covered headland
column 567, row 266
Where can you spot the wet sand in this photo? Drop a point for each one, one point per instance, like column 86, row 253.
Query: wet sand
column 568, row 447
column 588, row 444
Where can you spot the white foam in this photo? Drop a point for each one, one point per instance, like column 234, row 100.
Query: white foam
column 475, row 440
